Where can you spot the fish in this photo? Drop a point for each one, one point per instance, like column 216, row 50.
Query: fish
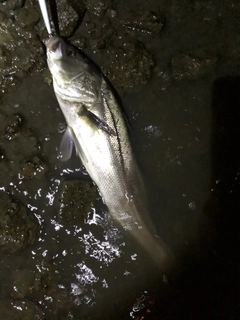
column 98, row 129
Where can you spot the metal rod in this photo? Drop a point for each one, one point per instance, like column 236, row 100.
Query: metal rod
column 43, row 7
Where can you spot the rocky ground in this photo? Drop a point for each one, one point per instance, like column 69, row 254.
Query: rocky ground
column 175, row 64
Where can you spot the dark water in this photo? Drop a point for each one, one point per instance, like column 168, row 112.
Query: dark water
column 186, row 138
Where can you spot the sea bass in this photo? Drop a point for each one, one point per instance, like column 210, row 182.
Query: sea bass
column 97, row 128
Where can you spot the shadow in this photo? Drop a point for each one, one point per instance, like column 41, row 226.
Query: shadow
column 206, row 284
column 224, row 205
column 54, row 15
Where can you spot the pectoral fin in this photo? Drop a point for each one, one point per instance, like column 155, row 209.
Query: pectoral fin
column 95, row 121
column 66, row 146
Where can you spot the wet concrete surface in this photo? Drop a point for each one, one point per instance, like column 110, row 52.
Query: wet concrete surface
column 176, row 68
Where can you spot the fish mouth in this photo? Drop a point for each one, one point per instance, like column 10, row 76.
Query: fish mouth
column 54, row 47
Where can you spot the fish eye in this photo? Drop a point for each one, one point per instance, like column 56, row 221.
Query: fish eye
column 70, row 52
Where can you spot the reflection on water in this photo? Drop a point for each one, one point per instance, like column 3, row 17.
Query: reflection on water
column 52, row 191
column 101, row 251
column 81, row 289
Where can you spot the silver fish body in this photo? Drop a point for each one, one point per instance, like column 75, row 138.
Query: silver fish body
column 97, row 128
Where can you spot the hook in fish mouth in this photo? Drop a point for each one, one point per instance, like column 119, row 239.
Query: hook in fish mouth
column 53, row 43
column 54, row 47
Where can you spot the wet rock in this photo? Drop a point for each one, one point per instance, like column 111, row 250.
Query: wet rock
column 18, row 227
column 14, row 4
column 5, row 23
column 5, row 169
column 77, row 199
column 22, row 281
column 17, row 143
column 97, row 44
column 15, row 136
column 169, row 157
column 33, row 168
column 47, row 284
column 129, row 66
column 43, row 282
column 126, row 62
column 79, row 42
column 20, row 309
column 26, row 141
column 68, row 19
column 144, row 21
column 2, row 155
column 27, row 18
column 13, row 127
column 190, row 67
column 94, row 33
column 3, row 57
column 98, row 7
column 20, row 48
column 153, row 131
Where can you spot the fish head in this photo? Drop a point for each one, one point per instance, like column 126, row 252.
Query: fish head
column 72, row 73
column 63, row 58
